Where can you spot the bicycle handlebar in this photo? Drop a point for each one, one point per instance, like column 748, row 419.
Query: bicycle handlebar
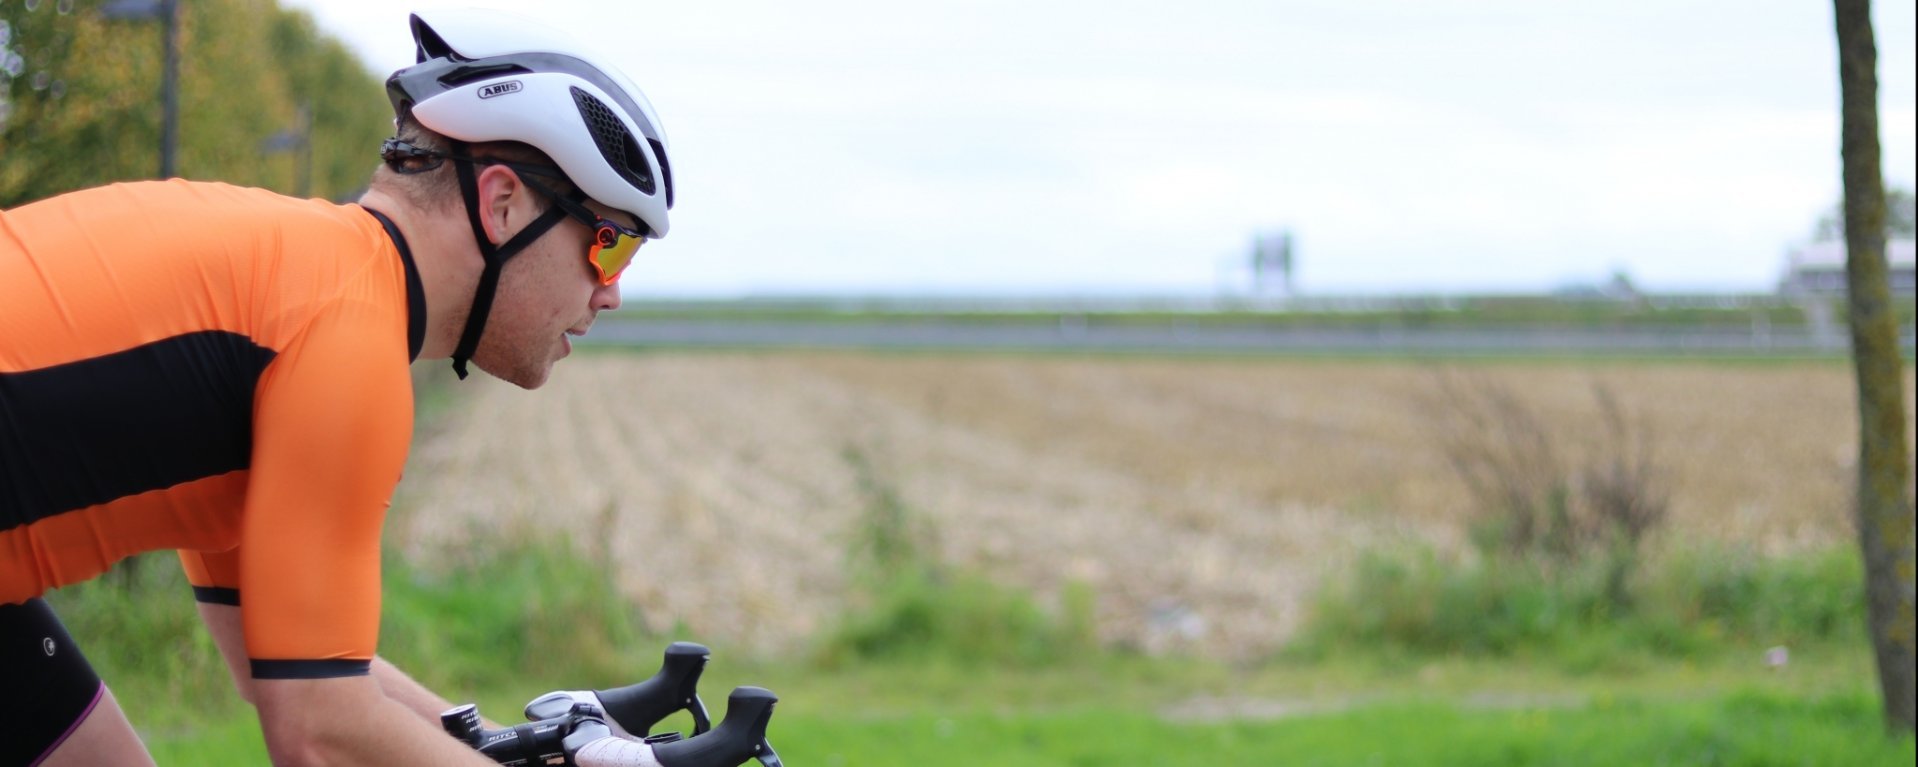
column 561, row 725
column 641, row 706
column 548, row 741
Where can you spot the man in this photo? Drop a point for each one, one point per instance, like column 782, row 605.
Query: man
column 223, row 371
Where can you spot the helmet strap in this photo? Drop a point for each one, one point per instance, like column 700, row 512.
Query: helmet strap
column 495, row 256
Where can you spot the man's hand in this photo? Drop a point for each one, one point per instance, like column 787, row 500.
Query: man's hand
column 615, row 752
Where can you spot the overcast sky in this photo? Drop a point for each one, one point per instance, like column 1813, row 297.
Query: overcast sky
column 1047, row 146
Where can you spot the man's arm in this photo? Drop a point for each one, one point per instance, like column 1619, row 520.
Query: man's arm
column 406, row 692
column 223, row 623
column 350, row 721
column 373, row 719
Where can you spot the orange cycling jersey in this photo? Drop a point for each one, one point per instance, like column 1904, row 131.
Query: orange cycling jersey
column 217, row 370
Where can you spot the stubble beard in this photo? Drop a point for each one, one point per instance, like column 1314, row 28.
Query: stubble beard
column 519, row 362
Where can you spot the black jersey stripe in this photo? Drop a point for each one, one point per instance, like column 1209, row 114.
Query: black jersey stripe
column 309, row 669
column 217, row 595
column 147, row 418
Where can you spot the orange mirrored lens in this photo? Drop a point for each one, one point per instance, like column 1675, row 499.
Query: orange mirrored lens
column 612, row 251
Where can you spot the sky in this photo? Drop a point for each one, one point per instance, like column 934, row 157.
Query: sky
column 1047, row 147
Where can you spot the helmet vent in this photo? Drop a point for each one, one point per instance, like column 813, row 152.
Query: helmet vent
column 472, row 73
column 615, row 142
column 659, row 151
column 427, row 44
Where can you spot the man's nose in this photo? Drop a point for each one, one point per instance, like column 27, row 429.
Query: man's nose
column 606, row 297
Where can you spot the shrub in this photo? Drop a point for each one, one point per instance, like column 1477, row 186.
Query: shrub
column 1749, row 599
column 526, row 607
column 961, row 619
column 1693, row 602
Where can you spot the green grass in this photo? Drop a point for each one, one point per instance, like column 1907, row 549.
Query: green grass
column 955, row 703
column 939, row 699
column 1414, row 660
column 822, row 725
column 1737, row 730
column 231, row 737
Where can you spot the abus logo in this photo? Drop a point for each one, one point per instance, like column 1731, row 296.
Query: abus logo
column 500, row 89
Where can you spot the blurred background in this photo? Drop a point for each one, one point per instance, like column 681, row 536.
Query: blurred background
column 1054, row 383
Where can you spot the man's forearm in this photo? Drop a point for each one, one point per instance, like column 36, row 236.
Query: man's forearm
column 402, row 689
column 350, row 721
column 406, row 692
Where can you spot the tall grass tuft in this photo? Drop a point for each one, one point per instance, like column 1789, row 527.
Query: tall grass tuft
column 1538, row 501
column 910, row 606
column 1559, row 563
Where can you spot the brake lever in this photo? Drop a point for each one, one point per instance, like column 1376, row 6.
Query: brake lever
column 639, row 707
column 674, row 688
column 740, row 736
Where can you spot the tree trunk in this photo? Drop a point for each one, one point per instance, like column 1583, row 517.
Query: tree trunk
column 1884, row 504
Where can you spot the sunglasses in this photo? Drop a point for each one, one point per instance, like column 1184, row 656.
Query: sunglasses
column 614, row 244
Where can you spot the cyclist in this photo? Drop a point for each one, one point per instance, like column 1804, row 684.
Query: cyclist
column 223, row 371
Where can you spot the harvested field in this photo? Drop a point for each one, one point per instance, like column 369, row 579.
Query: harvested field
column 1202, row 500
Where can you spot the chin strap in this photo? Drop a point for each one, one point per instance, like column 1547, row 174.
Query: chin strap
column 495, row 257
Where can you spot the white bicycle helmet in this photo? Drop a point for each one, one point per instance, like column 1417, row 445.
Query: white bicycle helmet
column 483, row 76
column 486, row 76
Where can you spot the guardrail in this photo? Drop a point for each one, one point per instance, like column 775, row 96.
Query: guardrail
column 1077, row 333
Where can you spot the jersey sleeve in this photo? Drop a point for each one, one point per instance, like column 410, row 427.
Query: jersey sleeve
column 332, row 422
column 215, row 575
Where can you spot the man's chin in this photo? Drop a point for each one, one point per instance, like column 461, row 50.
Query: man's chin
column 526, row 376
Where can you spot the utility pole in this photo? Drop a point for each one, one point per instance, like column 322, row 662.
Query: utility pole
column 168, row 12
column 170, row 89
column 298, row 142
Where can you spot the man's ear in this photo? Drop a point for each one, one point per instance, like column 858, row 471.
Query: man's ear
column 504, row 202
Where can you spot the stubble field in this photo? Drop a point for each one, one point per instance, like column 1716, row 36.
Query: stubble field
column 1200, row 500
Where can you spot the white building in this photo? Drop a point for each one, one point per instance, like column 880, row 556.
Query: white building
column 1819, row 269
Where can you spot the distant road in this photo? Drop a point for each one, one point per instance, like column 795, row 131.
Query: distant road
column 1071, row 333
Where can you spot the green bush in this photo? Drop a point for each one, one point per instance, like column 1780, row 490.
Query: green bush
column 527, row 608
column 962, row 619
column 1758, row 600
column 1419, row 603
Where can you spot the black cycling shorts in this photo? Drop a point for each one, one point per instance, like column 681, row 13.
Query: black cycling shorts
column 46, row 685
